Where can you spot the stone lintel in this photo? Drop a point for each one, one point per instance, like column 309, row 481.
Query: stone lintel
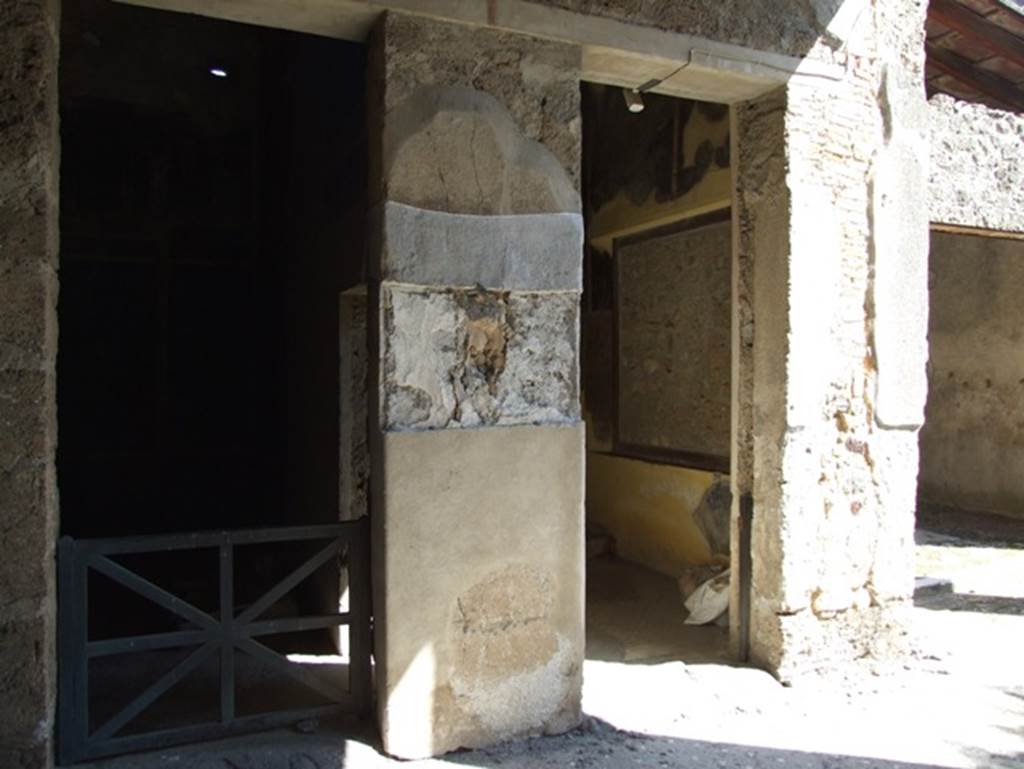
column 614, row 51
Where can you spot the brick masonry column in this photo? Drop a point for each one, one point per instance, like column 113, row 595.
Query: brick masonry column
column 28, row 347
column 476, row 439
column 830, row 331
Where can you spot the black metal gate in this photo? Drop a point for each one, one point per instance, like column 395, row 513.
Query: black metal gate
column 224, row 632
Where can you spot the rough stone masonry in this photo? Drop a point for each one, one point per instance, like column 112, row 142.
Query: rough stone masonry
column 28, row 349
column 977, row 166
column 830, row 346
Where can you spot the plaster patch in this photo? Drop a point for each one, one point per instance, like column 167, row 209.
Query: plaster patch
column 520, row 702
column 814, row 281
column 900, row 261
column 457, row 149
column 516, row 595
column 471, row 358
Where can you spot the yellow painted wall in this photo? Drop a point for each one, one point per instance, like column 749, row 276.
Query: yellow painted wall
column 647, row 507
column 648, row 510
column 621, row 217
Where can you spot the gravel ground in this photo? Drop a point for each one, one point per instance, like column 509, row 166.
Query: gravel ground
column 958, row 701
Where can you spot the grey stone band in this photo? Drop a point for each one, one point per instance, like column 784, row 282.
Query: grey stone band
column 518, row 252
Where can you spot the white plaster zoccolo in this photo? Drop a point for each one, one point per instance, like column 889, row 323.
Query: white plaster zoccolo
column 519, row 252
column 483, row 578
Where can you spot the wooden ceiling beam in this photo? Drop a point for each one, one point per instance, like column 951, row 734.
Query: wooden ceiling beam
column 977, row 29
column 984, row 82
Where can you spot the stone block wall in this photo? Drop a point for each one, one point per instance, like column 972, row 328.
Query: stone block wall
column 831, row 301
column 28, row 348
column 476, row 438
column 977, row 166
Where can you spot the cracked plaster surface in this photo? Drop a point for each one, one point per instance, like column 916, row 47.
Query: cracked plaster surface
column 471, row 357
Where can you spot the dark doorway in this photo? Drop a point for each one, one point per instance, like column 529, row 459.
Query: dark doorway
column 213, row 186
column 656, row 368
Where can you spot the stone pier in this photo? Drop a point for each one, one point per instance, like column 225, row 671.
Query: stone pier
column 831, row 308
column 476, row 439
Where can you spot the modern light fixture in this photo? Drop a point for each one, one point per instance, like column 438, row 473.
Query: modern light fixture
column 218, row 72
column 634, row 101
column 634, row 96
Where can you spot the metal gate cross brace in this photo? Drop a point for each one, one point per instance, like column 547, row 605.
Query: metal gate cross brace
column 227, row 633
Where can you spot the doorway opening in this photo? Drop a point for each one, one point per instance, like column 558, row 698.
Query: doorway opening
column 972, row 442
column 656, row 370
column 213, row 185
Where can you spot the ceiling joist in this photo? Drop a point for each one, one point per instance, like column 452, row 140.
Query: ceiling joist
column 962, row 69
column 977, row 29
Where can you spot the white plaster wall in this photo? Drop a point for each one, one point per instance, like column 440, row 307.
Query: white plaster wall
column 483, row 572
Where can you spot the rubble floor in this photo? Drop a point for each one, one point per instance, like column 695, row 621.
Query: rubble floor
column 636, row 615
column 958, row 701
